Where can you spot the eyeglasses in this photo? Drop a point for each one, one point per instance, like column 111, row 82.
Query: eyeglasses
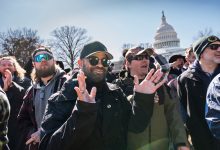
column 214, row 46
column 137, row 57
column 38, row 58
column 212, row 39
column 93, row 60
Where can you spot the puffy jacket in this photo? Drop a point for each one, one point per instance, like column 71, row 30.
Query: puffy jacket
column 93, row 126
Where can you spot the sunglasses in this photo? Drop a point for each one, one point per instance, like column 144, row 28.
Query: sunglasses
column 214, row 46
column 40, row 57
column 137, row 57
column 93, row 60
column 212, row 39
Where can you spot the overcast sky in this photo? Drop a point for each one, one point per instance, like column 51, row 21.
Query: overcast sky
column 113, row 22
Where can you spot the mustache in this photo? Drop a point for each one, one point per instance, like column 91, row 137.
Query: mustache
column 98, row 68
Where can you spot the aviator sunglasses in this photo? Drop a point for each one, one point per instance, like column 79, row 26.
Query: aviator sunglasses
column 93, row 60
column 40, row 57
column 138, row 57
column 214, row 46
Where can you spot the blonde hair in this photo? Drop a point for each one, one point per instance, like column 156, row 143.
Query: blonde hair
column 20, row 72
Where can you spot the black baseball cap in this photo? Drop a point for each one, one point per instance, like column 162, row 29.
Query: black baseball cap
column 94, row 47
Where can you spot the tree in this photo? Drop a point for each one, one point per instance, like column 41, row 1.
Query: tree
column 68, row 42
column 19, row 43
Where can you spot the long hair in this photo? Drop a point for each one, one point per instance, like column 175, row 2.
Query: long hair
column 19, row 71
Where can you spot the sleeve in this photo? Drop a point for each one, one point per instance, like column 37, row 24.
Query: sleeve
column 212, row 110
column 142, row 111
column 63, row 126
column 174, row 121
column 181, row 92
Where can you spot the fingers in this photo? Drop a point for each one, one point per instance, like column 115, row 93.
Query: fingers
column 157, row 76
column 79, row 94
column 149, row 75
column 93, row 93
column 160, row 83
column 81, row 80
column 29, row 141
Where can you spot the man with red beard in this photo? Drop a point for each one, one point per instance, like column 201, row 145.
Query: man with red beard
column 47, row 79
column 91, row 114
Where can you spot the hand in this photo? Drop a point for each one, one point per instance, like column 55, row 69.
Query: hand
column 35, row 138
column 183, row 148
column 150, row 84
column 7, row 79
column 82, row 92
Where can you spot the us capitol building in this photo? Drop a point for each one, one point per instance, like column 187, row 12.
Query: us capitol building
column 165, row 42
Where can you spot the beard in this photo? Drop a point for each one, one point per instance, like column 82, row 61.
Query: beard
column 42, row 73
column 92, row 75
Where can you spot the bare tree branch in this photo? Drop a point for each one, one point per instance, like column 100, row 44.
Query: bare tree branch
column 68, row 42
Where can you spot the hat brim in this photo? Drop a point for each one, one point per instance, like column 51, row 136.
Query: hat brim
column 106, row 53
column 175, row 57
column 141, row 52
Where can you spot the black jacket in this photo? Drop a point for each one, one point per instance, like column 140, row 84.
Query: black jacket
column 93, row 126
column 192, row 88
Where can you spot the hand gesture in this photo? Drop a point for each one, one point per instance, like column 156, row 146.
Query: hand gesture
column 150, row 84
column 35, row 138
column 82, row 92
column 7, row 79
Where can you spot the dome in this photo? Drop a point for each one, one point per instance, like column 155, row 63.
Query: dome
column 165, row 36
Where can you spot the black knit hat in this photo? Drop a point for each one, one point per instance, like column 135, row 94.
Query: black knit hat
column 94, row 47
column 200, row 45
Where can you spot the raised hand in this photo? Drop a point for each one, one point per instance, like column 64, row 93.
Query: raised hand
column 82, row 92
column 7, row 79
column 150, row 84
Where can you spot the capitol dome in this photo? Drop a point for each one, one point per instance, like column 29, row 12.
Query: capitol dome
column 166, row 41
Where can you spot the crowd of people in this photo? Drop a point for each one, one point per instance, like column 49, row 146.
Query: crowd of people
column 151, row 104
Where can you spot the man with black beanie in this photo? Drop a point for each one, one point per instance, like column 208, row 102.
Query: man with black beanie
column 192, row 87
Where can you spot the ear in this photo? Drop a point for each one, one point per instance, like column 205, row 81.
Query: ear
column 80, row 63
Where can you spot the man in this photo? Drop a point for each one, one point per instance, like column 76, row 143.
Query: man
column 189, row 56
column 4, row 116
column 192, row 88
column 91, row 114
column 212, row 111
column 165, row 123
column 14, row 83
column 47, row 79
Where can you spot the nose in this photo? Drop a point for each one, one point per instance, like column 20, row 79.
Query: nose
column 100, row 63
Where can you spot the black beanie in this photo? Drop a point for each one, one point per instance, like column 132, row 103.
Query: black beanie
column 200, row 45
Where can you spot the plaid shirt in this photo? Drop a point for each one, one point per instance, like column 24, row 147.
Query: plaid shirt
column 4, row 115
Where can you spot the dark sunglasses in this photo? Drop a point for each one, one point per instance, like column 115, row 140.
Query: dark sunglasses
column 214, row 46
column 93, row 60
column 138, row 57
column 40, row 57
column 212, row 39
